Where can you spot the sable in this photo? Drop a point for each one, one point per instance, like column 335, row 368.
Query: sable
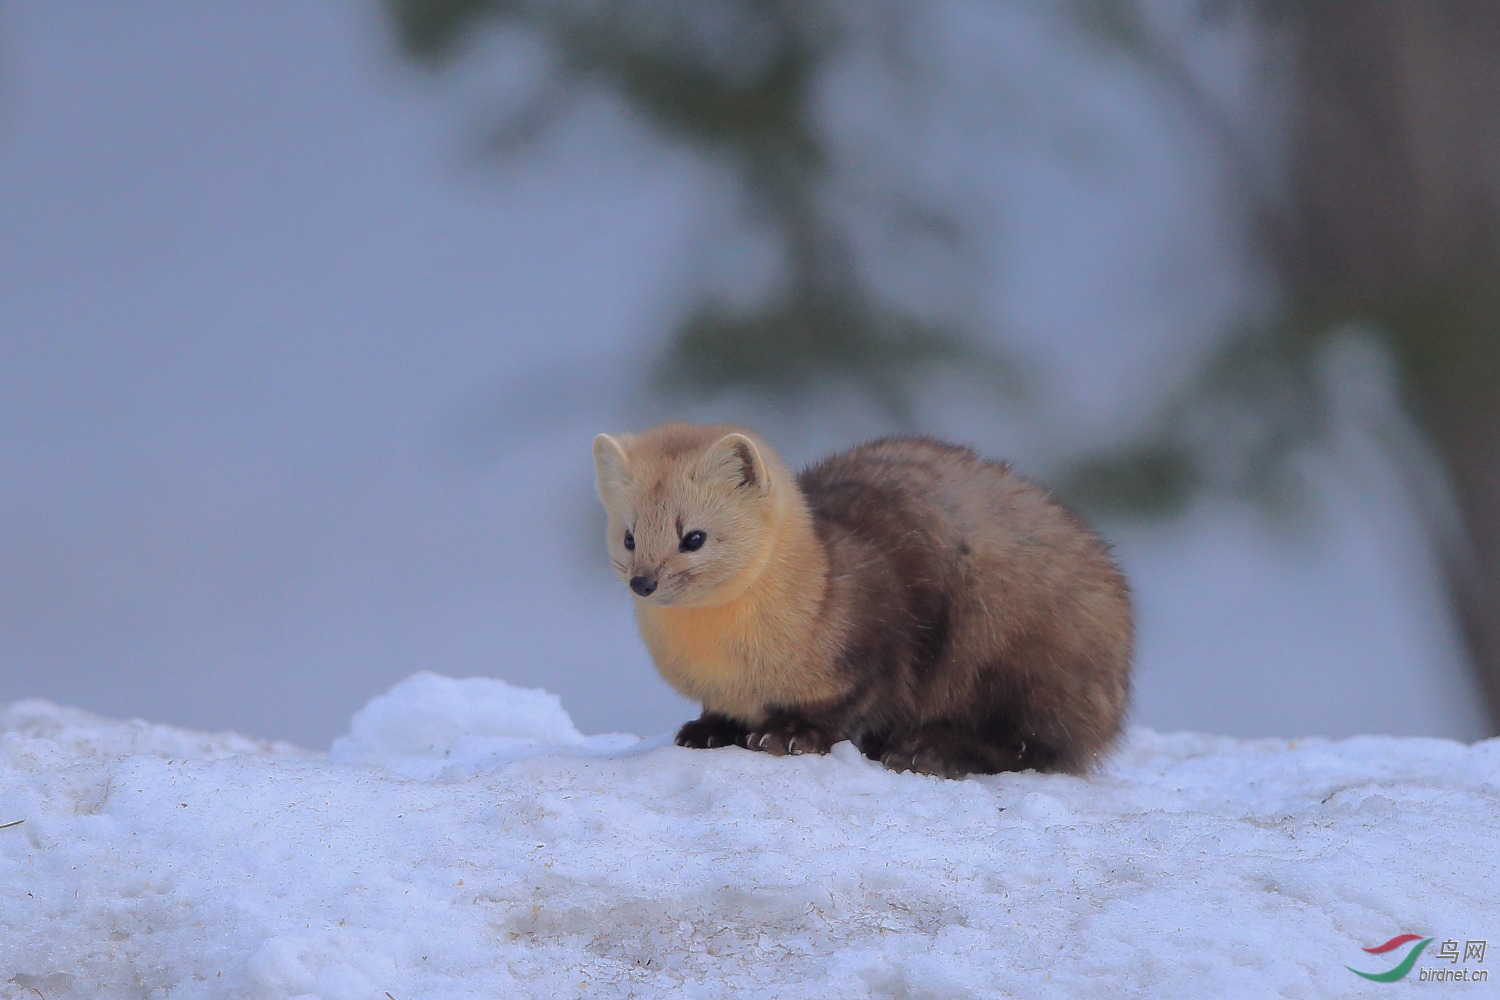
column 934, row 607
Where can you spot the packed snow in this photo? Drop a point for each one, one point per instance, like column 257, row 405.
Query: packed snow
column 465, row 839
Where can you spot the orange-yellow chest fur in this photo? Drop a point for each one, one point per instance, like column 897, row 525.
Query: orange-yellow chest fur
column 700, row 650
column 759, row 649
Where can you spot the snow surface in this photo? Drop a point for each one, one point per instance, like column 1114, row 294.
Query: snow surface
column 466, row 840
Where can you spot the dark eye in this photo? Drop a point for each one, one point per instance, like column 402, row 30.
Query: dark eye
column 630, row 541
column 692, row 541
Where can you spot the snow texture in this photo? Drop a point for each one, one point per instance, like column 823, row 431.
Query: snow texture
column 466, row 840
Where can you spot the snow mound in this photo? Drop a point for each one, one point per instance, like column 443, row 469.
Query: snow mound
column 436, row 727
column 465, row 839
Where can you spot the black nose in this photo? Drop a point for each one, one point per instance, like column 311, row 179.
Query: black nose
column 643, row 585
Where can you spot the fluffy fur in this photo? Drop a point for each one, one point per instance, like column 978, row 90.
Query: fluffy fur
column 932, row 606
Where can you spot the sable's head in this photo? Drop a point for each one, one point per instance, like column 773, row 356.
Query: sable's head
column 691, row 509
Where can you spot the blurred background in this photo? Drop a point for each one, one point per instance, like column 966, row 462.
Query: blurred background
column 309, row 312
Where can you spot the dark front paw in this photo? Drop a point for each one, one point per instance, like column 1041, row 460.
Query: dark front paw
column 928, row 760
column 944, row 752
column 784, row 735
column 711, row 730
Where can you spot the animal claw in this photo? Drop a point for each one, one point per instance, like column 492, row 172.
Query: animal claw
column 791, row 746
column 899, row 762
column 760, row 744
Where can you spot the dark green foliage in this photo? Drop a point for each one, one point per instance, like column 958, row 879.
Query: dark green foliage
column 432, row 30
column 1230, row 431
column 787, row 346
column 735, row 79
column 1150, row 481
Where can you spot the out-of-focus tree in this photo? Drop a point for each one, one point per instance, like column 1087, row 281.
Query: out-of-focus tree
column 735, row 80
column 1386, row 217
column 1395, row 223
column 1387, row 220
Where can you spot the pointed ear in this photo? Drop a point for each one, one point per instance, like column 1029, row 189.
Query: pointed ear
column 611, row 468
column 735, row 461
